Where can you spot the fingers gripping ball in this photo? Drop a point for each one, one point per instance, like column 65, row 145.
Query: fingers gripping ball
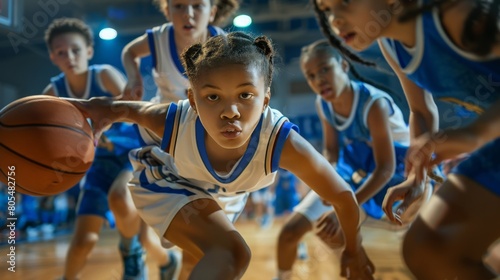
column 47, row 141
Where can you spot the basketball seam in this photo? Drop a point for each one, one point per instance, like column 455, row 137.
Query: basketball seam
column 48, row 125
column 23, row 188
column 41, row 164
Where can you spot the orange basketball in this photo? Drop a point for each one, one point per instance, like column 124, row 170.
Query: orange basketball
column 46, row 145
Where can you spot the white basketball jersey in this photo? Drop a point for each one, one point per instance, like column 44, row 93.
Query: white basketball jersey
column 185, row 159
column 168, row 71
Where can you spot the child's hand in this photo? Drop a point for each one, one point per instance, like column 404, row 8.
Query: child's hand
column 409, row 191
column 431, row 149
column 97, row 110
column 356, row 267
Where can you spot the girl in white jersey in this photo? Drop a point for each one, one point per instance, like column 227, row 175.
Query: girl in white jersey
column 218, row 145
column 444, row 51
column 191, row 21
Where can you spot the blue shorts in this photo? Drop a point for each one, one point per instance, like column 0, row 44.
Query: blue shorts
column 98, row 180
column 355, row 165
column 483, row 167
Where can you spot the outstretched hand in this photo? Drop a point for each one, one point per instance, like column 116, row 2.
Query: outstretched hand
column 97, row 110
column 356, row 267
column 409, row 192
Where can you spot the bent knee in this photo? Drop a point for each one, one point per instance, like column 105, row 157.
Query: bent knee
column 424, row 247
column 234, row 254
column 291, row 233
column 84, row 241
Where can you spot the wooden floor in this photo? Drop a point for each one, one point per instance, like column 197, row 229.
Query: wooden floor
column 44, row 260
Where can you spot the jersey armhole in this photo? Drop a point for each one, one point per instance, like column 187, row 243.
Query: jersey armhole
column 279, row 142
column 152, row 47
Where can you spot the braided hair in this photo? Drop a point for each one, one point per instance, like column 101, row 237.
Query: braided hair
column 231, row 48
column 325, row 46
column 334, row 40
column 481, row 30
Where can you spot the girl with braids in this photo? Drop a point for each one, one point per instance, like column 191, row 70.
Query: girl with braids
column 191, row 21
column 365, row 138
column 218, row 145
column 452, row 50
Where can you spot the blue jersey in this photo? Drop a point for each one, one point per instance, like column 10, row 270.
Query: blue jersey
column 354, row 128
column 122, row 137
column 356, row 153
column 450, row 74
column 454, row 76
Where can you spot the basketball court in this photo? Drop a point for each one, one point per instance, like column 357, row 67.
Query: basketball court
column 45, row 259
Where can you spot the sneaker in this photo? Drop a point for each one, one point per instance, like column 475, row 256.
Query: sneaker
column 302, row 251
column 171, row 270
column 134, row 265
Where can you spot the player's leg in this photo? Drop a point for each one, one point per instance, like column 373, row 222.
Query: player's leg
column 128, row 223
column 202, row 228
column 91, row 211
column 299, row 223
column 453, row 232
column 188, row 263
column 85, row 236
column 168, row 260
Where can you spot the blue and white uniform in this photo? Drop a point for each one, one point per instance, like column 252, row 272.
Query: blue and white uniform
column 109, row 161
column 168, row 71
column 458, row 77
column 168, row 177
column 356, row 161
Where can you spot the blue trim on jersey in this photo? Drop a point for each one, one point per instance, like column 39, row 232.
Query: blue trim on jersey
column 212, row 30
column 280, row 142
column 173, row 52
column 141, row 140
column 245, row 160
column 327, row 112
column 173, row 48
column 152, row 47
column 169, row 126
column 159, row 189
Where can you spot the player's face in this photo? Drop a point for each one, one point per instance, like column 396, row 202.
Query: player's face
column 324, row 74
column 70, row 53
column 229, row 101
column 190, row 17
column 359, row 22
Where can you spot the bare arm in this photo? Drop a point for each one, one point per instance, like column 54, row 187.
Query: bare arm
column 300, row 158
column 131, row 58
column 104, row 111
column 330, row 142
column 423, row 111
column 423, row 119
column 383, row 151
column 113, row 81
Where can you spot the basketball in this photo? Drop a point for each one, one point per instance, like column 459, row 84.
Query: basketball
column 46, row 145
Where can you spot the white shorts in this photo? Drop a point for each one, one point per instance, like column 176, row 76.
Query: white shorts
column 312, row 207
column 160, row 201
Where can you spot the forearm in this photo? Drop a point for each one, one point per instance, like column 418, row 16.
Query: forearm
column 348, row 215
column 374, row 183
column 104, row 111
column 131, row 64
column 420, row 124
